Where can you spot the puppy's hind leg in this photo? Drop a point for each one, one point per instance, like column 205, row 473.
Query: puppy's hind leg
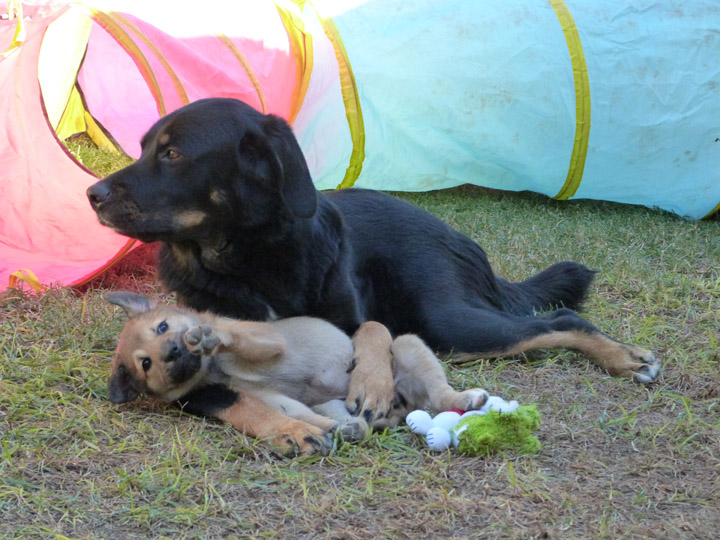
column 419, row 378
column 348, row 427
column 326, row 416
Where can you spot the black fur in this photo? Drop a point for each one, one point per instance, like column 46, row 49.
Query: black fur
column 182, row 366
column 263, row 242
column 209, row 400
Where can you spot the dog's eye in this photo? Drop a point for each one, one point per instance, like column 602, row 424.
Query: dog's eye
column 162, row 328
column 171, row 154
column 146, row 363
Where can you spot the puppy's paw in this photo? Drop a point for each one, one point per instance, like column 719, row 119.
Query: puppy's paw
column 202, row 341
column 469, row 400
column 299, row 438
column 353, row 429
column 371, row 391
column 372, row 404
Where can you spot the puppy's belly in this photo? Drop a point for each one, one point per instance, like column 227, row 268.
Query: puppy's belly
column 315, row 390
column 316, row 368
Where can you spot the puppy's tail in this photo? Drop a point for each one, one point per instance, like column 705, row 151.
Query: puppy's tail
column 564, row 284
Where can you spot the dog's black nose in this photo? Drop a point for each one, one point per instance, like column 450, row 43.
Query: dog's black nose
column 98, row 193
column 174, row 352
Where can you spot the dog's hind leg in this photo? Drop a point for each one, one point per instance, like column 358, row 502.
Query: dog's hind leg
column 486, row 333
column 326, row 416
column 420, row 379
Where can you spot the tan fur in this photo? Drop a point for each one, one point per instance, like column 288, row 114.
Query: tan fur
column 190, row 218
column 302, row 369
column 371, row 389
column 252, row 416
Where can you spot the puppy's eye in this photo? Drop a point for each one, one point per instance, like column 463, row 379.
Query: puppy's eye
column 146, row 363
column 162, row 328
column 171, row 154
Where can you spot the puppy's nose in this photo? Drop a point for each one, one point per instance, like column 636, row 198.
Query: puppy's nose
column 173, row 352
column 98, row 193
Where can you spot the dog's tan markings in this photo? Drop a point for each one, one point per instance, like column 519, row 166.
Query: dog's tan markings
column 371, row 391
column 618, row 359
column 188, row 218
column 255, row 418
column 163, row 139
column 218, row 197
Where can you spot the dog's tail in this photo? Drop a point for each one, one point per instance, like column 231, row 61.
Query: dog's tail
column 564, row 284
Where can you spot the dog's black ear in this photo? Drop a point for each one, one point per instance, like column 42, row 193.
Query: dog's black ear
column 120, row 386
column 133, row 304
column 275, row 157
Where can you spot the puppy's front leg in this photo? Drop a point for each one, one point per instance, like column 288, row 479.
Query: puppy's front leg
column 249, row 341
column 252, row 416
column 371, row 390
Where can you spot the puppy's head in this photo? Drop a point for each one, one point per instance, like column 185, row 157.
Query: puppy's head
column 151, row 355
column 213, row 163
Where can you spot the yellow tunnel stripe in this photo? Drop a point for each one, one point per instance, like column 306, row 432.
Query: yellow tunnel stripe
column 171, row 73
column 582, row 101
column 247, row 67
column 26, row 276
column 301, row 47
column 351, row 99
column 129, row 45
column 713, row 212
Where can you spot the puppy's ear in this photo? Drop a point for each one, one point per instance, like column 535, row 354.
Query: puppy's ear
column 133, row 304
column 275, row 157
column 120, row 386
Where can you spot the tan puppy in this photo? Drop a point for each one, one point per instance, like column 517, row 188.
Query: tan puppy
column 290, row 381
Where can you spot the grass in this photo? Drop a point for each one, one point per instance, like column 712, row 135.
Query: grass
column 619, row 460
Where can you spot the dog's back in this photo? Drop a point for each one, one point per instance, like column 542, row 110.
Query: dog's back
column 409, row 262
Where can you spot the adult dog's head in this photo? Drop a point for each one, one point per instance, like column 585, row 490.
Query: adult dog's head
column 213, row 163
column 151, row 355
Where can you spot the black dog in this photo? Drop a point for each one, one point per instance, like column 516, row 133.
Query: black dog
column 244, row 233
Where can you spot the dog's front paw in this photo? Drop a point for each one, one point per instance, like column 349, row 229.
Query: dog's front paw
column 202, row 341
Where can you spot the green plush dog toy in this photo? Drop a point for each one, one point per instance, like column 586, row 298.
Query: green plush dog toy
column 482, row 435
column 498, row 427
